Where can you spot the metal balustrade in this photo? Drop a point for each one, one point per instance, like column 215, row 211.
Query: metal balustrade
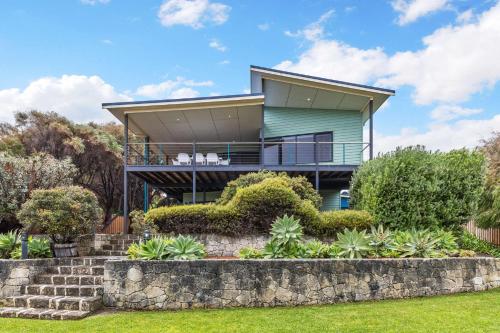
column 270, row 153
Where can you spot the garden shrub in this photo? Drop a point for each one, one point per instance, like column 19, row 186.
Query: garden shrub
column 64, row 213
column 331, row 222
column 260, row 204
column 243, row 181
column 413, row 188
column 139, row 225
column 194, row 219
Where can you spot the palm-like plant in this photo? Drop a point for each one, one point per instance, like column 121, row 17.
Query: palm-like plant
column 286, row 231
column 185, row 248
column 354, row 244
column 422, row 243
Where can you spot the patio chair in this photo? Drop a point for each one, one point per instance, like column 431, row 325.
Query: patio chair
column 223, row 161
column 212, row 159
column 182, row 159
column 200, row 159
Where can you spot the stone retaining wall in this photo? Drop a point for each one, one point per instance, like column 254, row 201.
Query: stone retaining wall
column 16, row 273
column 133, row 284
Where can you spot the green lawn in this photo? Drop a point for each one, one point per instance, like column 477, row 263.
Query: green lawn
column 472, row 312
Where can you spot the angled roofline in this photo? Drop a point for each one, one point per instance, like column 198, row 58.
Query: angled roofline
column 223, row 98
column 321, row 79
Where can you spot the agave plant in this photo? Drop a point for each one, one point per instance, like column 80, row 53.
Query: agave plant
column 380, row 240
column 446, row 241
column 250, row 253
column 8, row 243
column 334, row 251
column 39, row 248
column 152, row 249
column 185, row 248
column 286, row 231
column 315, row 249
column 422, row 243
column 354, row 244
column 272, row 250
column 133, row 251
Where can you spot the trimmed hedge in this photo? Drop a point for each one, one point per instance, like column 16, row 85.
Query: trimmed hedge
column 194, row 219
column 332, row 222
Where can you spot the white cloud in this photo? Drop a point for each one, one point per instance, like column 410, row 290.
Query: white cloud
column 178, row 88
column 314, row 31
column 465, row 16
column 442, row 136
column 224, row 62
column 450, row 112
column 193, row 13
column 455, row 61
column 263, row 26
column 77, row 97
column 411, row 10
column 215, row 44
column 349, row 9
column 94, row 2
column 107, row 41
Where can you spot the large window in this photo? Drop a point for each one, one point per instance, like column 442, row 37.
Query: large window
column 301, row 149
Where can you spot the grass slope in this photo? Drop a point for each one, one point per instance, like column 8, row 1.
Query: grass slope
column 471, row 312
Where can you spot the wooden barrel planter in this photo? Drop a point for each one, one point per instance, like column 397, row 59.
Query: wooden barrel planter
column 65, row 250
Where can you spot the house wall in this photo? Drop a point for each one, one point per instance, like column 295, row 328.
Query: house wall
column 347, row 126
column 187, row 198
column 331, row 199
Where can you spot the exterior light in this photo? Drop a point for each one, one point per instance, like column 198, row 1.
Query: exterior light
column 147, row 235
column 308, row 99
column 178, row 119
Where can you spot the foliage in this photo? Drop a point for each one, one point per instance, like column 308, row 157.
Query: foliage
column 354, row 243
column 139, row 225
column 334, row 251
column 421, row 243
column 186, row 248
column 331, row 222
column 381, row 240
column 194, row 219
column 95, row 150
column 162, row 248
column 19, row 176
column 466, row 253
column 63, row 213
column 316, row 249
column 468, row 241
column 300, row 185
column 37, row 248
column 489, row 203
column 286, row 236
column 250, row 253
column 8, row 243
column 260, row 204
column 446, row 241
column 413, row 188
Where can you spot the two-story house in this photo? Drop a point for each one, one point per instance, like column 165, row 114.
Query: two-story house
column 289, row 122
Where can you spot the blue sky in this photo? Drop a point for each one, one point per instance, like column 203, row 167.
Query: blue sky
column 441, row 56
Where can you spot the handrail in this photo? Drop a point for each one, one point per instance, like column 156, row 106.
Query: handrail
column 244, row 142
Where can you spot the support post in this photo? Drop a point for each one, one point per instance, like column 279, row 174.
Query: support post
column 146, row 162
column 316, row 160
column 261, row 160
column 125, row 175
column 193, row 162
column 371, row 128
column 24, row 245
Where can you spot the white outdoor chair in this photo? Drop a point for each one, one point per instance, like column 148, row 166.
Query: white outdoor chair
column 200, row 159
column 212, row 159
column 182, row 159
column 223, row 161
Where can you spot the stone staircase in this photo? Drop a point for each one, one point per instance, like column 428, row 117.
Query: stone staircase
column 70, row 290
column 113, row 245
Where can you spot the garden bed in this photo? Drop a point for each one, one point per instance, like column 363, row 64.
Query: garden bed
column 170, row 284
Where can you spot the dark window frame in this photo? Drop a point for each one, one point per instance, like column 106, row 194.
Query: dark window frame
column 280, row 140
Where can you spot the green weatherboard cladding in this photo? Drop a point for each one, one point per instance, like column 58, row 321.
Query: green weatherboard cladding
column 331, row 199
column 347, row 126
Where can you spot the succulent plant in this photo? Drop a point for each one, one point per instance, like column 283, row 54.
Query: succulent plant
column 272, row 250
column 422, row 243
column 250, row 253
column 354, row 244
column 380, row 240
column 286, row 231
column 334, row 251
column 185, row 248
column 315, row 249
column 8, row 243
column 446, row 241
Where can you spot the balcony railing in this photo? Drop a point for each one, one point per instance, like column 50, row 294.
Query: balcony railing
column 269, row 153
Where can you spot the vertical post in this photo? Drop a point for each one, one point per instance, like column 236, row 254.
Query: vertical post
column 261, row 160
column 194, row 172
column 24, row 245
column 343, row 153
column 371, row 128
column 146, row 162
column 316, row 160
column 125, row 175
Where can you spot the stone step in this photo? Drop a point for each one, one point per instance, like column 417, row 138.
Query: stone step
column 112, row 253
column 34, row 313
column 81, row 261
column 76, row 270
column 62, row 290
column 59, row 279
column 55, row 302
